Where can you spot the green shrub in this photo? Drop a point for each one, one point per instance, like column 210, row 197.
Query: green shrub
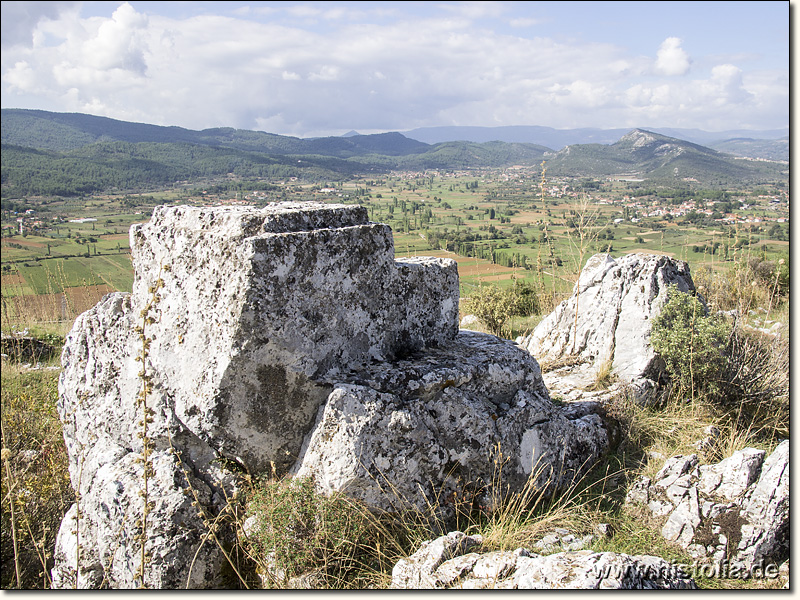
column 492, row 306
column 527, row 299
column 692, row 344
column 495, row 306
column 772, row 275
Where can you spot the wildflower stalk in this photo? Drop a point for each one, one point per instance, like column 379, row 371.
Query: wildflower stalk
column 146, row 418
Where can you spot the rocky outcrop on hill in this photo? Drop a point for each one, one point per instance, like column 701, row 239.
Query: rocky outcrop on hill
column 455, row 561
column 736, row 510
column 607, row 323
column 278, row 339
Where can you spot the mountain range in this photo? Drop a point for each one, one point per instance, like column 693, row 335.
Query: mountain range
column 72, row 154
column 559, row 138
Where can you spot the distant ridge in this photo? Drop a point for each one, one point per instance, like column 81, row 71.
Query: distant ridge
column 756, row 148
column 69, row 131
column 64, row 154
column 559, row 138
column 655, row 156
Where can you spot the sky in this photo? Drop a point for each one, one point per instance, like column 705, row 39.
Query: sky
column 324, row 68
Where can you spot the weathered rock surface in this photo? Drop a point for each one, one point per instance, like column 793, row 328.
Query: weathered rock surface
column 615, row 301
column 563, row 540
column 735, row 510
column 455, row 561
column 433, row 422
column 280, row 333
column 262, row 306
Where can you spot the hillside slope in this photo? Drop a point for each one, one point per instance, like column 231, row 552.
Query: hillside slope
column 660, row 157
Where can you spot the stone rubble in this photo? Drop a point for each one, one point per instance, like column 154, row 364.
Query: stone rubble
column 456, row 561
column 289, row 340
column 286, row 338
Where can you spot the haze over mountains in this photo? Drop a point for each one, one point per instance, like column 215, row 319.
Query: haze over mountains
column 72, row 153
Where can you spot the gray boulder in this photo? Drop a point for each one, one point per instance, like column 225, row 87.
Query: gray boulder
column 455, row 561
column 414, row 432
column 615, row 301
column 258, row 311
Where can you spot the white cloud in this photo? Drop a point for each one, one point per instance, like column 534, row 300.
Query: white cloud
column 21, row 77
column 117, row 43
column 326, row 73
column 524, row 22
column 671, row 58
column 209, row 71
column 20, row 19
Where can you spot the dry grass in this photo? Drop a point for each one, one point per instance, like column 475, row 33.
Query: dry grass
column 518, row 519
column 656, row 433
column 64, row 306
column 36, row 485
column 604, row 377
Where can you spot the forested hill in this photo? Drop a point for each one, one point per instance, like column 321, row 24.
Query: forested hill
column 45, row 153
column 63, row 132
column 663, row 159
column 67, row 131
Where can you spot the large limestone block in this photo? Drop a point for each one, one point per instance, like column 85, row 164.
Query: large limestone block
column 417, row 431
column 261, row 307
column 615, row 301
column 259, row 313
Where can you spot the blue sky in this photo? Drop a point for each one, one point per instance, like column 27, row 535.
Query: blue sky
column 324, row 68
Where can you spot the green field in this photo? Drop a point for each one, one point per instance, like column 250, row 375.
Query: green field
column 500, row 227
